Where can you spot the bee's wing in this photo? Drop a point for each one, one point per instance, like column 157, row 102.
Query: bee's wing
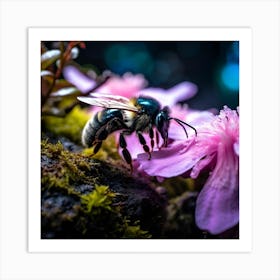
column 108, row 101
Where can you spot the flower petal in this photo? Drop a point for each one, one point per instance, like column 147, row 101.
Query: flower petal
column 128, row 85
column 200, row 165
column 217, row 206
column 170, row 97
column 192, row 117
column 236, row 148
column 73, row 75
column 133, row 145
column 171, row 161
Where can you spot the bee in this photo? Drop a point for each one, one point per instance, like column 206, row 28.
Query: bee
column 140, row 115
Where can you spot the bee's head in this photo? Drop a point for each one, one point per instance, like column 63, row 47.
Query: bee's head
column 162, row 123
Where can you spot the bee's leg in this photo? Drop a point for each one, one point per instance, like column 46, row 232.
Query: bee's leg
column 151, row 134
column 157, row 140
column 143, row 143
column 97, row 147
column 125, row 152
column 101, row 135
column 165, row 140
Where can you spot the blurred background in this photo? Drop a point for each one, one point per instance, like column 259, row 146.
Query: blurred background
column 212, row 65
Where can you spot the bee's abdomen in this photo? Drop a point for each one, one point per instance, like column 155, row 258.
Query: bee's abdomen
column 108, row 120
column 89, row 131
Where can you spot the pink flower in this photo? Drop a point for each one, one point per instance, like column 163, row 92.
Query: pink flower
column 169, row 97
column 193, row 117
column 80, row 80
column 128, row 85
column 216, row 148
column 132, row 86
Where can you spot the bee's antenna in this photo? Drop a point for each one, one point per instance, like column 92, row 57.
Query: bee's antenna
column 182, row 123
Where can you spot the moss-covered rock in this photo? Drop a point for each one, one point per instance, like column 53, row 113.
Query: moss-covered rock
column 88, row 198
column 180, row 217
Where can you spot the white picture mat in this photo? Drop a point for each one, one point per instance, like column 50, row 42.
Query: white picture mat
column 261, row 263
column 243, row 35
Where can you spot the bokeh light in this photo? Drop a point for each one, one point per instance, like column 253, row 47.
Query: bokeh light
column 230, row 76
column 212, row 65
column 128, row 57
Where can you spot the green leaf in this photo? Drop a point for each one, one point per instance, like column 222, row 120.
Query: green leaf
column 47, row 76
column 49, row 58
column 69, row 91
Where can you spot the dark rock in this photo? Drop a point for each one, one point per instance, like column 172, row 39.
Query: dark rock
column 67, row 176
column 180, row 222
column 59, row 215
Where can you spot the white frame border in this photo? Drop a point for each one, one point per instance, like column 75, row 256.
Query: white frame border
column 263, row 17
column 36, row 35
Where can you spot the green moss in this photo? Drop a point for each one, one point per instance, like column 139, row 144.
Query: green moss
column 104, row 216
column 101, row 212
column 66, row 168
column 177, row 185
column 135, row 231
column 50, row 150
column 70, row 126
column 100, row 198
column 180, row 216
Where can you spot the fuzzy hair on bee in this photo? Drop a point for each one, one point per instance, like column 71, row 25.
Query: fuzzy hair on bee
column 142, row 114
